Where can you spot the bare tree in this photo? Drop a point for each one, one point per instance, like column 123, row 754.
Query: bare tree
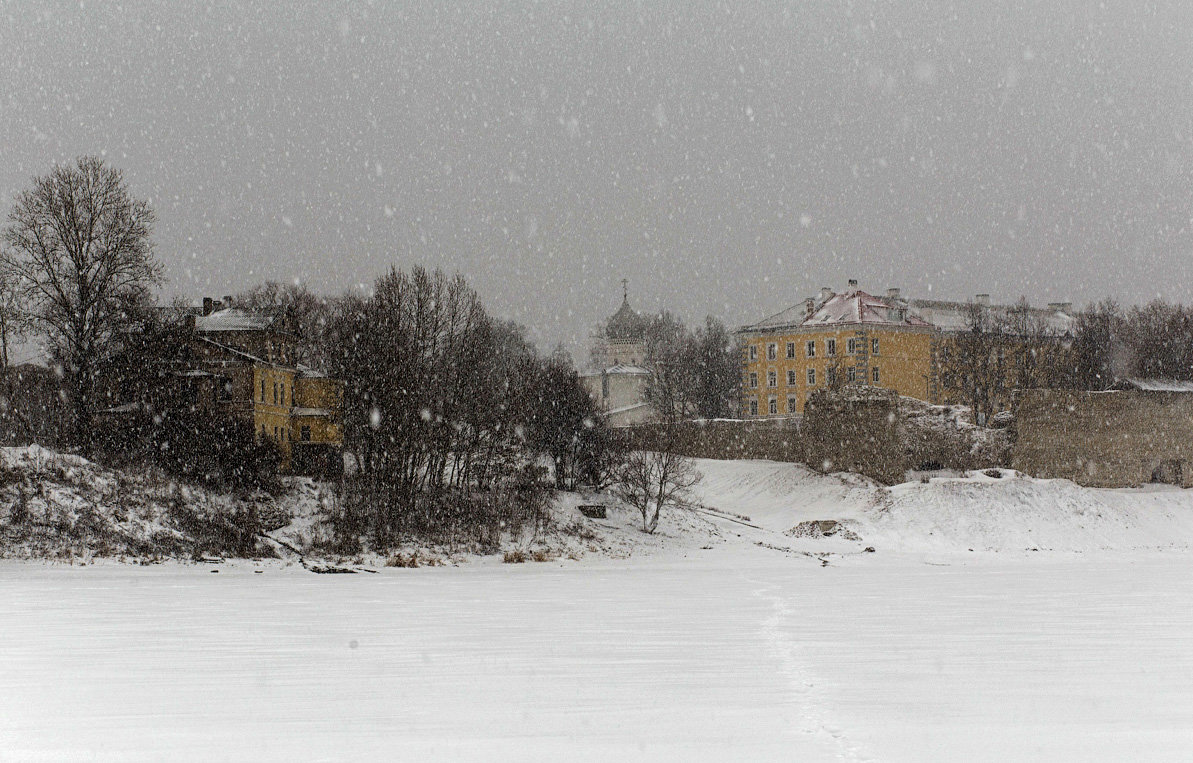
column 79, row 247
column 14, row 326
column 653, row 481
column 14, row 313
column 1099, row 350
column 307, row 311
column 973, row 363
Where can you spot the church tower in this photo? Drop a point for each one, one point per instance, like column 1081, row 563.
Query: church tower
column 620, row 380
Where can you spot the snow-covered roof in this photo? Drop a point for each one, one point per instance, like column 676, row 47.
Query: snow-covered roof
column 621, row 369
column 234, row 319
column 626, row 370
column 854, row 306
column 1154, row 385
column 307, row 372
column 954, row 316
column 849, row 307
column 626, row 408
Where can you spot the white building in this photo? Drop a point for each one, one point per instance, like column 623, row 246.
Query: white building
column 621, row 378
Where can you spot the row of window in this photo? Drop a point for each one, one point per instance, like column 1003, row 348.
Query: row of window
column 851, row 376
column 283, row 435
column 276, row 389
column 830, row 348
column 773, row 406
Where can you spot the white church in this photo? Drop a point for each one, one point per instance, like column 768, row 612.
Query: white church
column 621, row 377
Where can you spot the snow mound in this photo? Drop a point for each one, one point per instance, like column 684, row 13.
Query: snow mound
column 993, row 510
column 1010, row 512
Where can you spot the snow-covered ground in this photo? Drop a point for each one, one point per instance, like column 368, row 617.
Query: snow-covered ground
column 1063, row 635
column 762, row 657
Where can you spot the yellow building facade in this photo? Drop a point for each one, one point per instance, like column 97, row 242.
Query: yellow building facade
column 855, row 338
column 250, row 355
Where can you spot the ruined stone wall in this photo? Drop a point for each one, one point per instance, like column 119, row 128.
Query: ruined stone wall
column 1104, row 439
column 855, row 431
column 775, row 440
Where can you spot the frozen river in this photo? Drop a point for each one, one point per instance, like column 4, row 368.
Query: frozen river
column 742, row 657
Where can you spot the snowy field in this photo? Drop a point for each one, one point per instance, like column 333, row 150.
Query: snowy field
column 738, row 656
column 997, row 618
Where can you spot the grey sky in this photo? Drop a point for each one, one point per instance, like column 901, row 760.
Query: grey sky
column 726, row 158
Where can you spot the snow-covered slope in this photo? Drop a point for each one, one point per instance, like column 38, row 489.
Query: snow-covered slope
column 976, row 511
column 61, row 506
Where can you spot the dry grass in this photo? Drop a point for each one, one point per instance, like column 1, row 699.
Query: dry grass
column 412, row 560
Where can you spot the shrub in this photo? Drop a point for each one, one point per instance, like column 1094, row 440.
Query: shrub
column 516, row 556
column 412, row 560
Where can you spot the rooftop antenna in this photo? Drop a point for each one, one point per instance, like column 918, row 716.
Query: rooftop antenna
column 625, row 290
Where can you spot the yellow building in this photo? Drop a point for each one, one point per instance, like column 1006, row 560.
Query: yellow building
column 243, row 363
column 853, row 337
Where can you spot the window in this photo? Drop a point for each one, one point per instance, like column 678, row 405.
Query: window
column 810, row 348
column 263, row 400
column 791, row 349
column 753, row 380
column 830, row 347
column 772, row 351
column 262, row 428
column 772, row 379
column 792, row 405
column 305, row 434
column 753, row 407
column 811, row 377
column 851, row 346
column 873, row 346
column 772, row 406
column 874, row 372
column 791, row 379
column 275, row 393
column 830, row 375
column 753, row 352
column 852, row 373
column 283, row 393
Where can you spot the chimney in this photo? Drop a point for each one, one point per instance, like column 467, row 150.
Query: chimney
column 207, row 303
column 227, row 301
column 825, row 293
column 809, row 307
column 892, row 293
column 852, row 283
column 982, row 299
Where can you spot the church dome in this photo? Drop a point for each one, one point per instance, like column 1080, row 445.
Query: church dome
column 625, row 323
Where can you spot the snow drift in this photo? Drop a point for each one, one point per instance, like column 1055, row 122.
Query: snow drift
column 994, row 510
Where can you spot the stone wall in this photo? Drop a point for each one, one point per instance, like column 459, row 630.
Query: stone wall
column 855, row 430
column 865, row 430
column 775, row 440
column 1105, row 439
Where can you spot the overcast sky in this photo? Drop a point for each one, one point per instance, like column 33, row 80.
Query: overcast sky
column 726, row 158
